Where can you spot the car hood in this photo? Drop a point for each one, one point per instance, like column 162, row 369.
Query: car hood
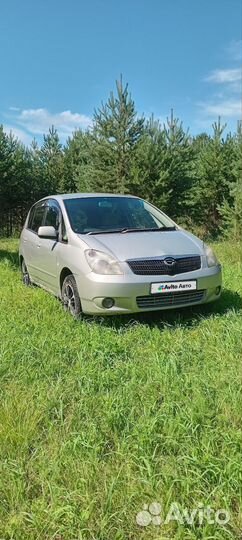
column 146, row 244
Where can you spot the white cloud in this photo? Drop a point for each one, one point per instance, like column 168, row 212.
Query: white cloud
column 29, row 123
column 225, row 76
column 225, row 97
column 26, row 124
column 24, row 137
column 226, row 108
column 38, row 121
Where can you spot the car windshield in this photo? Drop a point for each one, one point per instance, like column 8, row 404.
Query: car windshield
column 99, row 215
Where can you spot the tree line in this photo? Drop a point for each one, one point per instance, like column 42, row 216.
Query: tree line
column 197, row 180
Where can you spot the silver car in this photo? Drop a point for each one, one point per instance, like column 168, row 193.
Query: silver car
column 111, row 254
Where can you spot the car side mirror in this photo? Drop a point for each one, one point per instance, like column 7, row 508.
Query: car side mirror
column 47, row 232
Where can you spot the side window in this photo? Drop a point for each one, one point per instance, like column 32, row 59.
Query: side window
column 38, row 216
column 52, row 216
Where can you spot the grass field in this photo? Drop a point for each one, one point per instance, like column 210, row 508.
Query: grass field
column 101, row 417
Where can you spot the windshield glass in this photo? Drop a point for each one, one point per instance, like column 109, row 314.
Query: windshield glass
column 113, row 214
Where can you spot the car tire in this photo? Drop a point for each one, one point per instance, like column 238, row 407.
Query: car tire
column 25, row 275
column 70, row 297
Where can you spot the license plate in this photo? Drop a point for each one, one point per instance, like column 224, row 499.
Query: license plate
column 165, row 287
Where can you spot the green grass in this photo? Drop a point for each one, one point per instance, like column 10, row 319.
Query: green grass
column 99, row 417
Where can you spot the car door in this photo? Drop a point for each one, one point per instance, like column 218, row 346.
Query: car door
column 47, row 248
column 29, row 238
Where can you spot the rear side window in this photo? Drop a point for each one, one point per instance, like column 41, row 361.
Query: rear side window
column 30, row 218
column 38, row 216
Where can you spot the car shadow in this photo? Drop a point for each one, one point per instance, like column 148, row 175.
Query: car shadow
column 11, row 256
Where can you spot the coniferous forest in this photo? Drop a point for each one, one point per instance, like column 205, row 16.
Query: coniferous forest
column 197, row 180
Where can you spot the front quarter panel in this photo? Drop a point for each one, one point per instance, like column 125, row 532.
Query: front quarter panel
column 72, row 256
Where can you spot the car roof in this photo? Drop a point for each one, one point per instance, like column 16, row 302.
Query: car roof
column 64, row 196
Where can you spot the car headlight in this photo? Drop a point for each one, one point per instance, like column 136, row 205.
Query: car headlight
column 210, row 256
column 102, row 263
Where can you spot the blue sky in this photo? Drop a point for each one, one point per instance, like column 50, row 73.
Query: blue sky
column 60, row 59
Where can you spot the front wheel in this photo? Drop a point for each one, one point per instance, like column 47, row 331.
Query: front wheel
column 70, row 297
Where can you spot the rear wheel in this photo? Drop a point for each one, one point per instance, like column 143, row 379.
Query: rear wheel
column 25, row 275
column 70, row 297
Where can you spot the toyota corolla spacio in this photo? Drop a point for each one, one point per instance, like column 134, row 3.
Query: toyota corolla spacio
column 115, row 254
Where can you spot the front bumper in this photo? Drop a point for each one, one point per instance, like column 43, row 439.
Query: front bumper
column 125, row 289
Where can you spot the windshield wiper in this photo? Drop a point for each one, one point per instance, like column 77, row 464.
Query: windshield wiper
column 131, row 230
column 106, row 231
column 151, row 229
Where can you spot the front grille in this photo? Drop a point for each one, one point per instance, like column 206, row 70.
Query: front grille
column 169, row 299
column 158, row 267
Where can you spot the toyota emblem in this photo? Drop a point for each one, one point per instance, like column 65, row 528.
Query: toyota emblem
column 170, row 262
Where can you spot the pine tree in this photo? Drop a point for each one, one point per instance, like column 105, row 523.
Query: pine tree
column 51, row 162
column 231, row 209
column 116, row 131
column 178, row 169
column 76, row 159
column 8, row 186
column 146, row 179
column 195, row 179
column 211, row 186
column 14, row 177
column 36, row 187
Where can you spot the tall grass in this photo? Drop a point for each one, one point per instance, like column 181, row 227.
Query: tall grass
column 103, row 416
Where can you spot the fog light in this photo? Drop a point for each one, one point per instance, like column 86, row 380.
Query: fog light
column 217, row 290
column 108, row 303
